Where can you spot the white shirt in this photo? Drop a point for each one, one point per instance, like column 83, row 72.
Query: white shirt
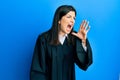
column 62, row 39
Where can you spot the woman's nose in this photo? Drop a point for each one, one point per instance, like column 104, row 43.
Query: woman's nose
column 72, row 20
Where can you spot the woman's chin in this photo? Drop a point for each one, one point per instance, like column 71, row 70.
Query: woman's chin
column 68, row 32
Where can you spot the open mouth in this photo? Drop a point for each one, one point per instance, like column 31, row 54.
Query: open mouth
column 69, row 27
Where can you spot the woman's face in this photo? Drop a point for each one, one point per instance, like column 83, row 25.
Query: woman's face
column 66, row 23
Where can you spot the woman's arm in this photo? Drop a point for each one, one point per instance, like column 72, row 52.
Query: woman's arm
column 38, row 66
column 83, row 58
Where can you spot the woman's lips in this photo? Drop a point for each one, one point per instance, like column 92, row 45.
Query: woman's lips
column 69, row 27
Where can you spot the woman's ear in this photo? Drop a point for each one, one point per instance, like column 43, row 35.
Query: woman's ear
column 59, row 22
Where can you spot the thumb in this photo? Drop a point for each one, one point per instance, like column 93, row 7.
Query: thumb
column 73, row 33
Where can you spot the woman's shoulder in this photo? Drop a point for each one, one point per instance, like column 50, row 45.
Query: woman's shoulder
column 44, row 36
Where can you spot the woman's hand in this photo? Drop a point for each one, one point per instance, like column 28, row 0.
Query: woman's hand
column 82, row 33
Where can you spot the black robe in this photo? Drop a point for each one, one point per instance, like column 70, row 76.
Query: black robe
column 56, row 62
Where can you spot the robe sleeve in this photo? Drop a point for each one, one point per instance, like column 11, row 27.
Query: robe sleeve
column 83, row 58
column 38, row 66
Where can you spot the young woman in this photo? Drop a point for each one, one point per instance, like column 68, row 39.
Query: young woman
column 58, row 49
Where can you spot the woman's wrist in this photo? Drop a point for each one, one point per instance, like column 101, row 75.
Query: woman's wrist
column 84, row 42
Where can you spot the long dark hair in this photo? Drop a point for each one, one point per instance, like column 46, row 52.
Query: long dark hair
column 60, row 12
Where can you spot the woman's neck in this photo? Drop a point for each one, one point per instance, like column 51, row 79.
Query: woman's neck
column 61, row 34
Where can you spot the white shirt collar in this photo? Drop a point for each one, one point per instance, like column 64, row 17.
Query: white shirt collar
column 62, row 38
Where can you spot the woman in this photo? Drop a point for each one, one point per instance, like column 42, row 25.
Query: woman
column 58, row 49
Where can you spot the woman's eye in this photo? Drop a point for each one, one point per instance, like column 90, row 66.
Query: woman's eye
column 71, row 17
column 74, row 18
column 68, row 16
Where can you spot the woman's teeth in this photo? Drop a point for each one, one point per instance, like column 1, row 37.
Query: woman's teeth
column 69, row 26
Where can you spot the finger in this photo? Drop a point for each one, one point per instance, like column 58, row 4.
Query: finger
column 87, row 25
column 82, row 25
column 73, row 33
column 87, row 29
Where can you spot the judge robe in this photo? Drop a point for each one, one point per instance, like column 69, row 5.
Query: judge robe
column 56, row 62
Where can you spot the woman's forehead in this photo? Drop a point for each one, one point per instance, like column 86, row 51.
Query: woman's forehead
column 72, row 13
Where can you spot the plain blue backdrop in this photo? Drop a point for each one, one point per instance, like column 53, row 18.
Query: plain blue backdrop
column 21, row 21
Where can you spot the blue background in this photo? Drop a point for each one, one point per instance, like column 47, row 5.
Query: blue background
column 21, row 21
